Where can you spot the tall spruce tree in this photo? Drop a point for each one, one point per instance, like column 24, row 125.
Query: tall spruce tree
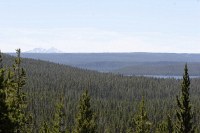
column 20, row 102
column 6, row 124
column 13, row 99
column 85, row 119
column 59, row 118
column 184, row 114
column 18, row 99
column 1, row 59
column 141, row 121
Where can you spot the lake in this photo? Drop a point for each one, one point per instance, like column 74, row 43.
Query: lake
column 168, row 76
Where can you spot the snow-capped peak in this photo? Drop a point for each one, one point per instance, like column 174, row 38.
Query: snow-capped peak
column 41, row 50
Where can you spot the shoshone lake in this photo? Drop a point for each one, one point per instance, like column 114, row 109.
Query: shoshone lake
column 165, row 76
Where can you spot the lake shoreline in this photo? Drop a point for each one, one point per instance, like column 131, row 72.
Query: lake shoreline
column 165, row 76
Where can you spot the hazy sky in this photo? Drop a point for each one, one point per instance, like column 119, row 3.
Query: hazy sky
column 101, row 25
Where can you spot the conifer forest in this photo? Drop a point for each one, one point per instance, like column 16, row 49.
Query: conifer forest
column 43, row 97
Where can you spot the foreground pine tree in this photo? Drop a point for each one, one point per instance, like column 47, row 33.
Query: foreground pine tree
column 142, row 124
column 13, row 100
column 6, row 124
column 59, row 118
column 1, row 59
column 184, row 114
column 18, row 101
column 85, row 119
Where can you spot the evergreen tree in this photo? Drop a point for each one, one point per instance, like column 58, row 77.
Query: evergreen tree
column 142, row 124
column 166, row 126
column 170, row 127
column 13, row 99
column 184, row 115
column 19, row 102
column 85, row 119
column 6, row 124
column 1, row 59
column 131, row 124
column 59, row 118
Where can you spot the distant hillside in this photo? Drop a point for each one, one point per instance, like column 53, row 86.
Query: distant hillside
column 79, row 58
column 159, row 68
column 126, row 63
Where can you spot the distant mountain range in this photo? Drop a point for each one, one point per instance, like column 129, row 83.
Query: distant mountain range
column 41, row 50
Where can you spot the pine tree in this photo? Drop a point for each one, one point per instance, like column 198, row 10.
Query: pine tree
column 1, row 59
column 19, row 103
column 170, row 127
column 59, row 118
column 184, row 115
column 166, row 126
column 142, row 124
column 6, row 124
column 13, row 99
column 85, row 119
column 131, row 124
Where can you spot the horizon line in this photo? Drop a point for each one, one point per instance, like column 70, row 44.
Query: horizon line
column 102, row 52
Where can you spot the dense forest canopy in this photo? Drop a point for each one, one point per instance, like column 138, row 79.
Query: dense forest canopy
column 114, row 98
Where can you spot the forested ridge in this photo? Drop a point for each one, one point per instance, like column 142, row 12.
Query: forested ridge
column 115, row 99
column 126, row 63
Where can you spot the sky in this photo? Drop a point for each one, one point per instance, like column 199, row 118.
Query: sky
column 74, row 26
